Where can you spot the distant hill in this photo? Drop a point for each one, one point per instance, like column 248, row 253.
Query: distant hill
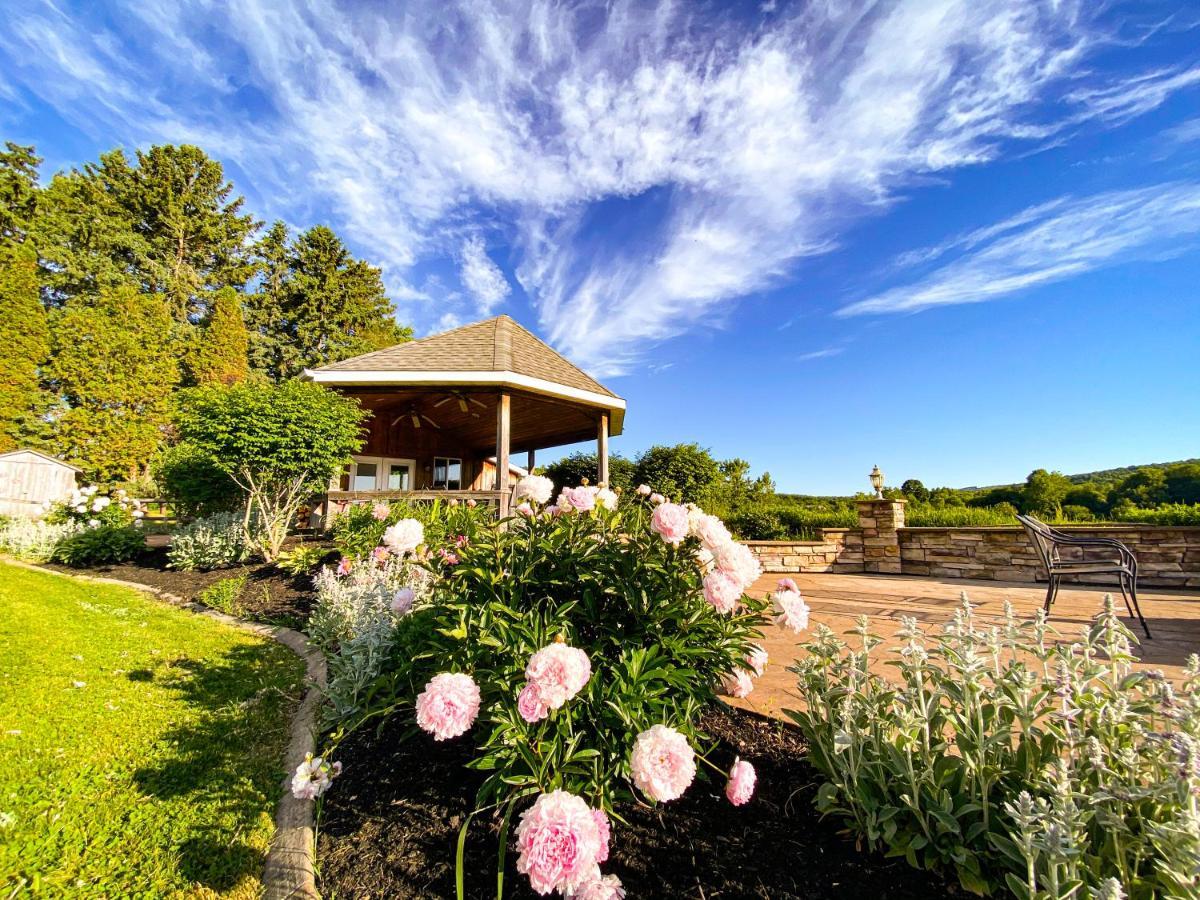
column 1103, row 476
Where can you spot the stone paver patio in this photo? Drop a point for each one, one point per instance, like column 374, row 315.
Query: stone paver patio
column 837, row 600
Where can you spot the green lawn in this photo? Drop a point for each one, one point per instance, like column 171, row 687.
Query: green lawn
column 141, row 745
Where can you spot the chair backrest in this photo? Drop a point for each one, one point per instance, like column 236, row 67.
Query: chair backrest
column 1041, row 537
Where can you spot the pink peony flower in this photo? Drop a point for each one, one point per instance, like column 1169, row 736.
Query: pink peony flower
column 313, row 777
column 380, row 511
column 663, row 763
column 737, row 684
column 723, row 591
column 449, row 557
column 711, row 531
column 739, row 561
column 644, row 490
column 786, row 584
column 402, row 600
column 472, row 502
column 670, row 520
column 756, row 661
column 605, row 830
column 404, row 537
column 790, row 610
column 537, row 488
column 530, row 704
column 448, row 705
column 524, row 509
column 559, row 841
column 582, row 498
column 657, row 499
column 606, row 888
column 559, row 672
column 742, row 777
column 345, row 564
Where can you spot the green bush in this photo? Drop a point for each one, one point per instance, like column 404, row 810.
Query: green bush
column 193, row 483
column 683, row 473
column 358, row 530
column 924, row 515
column 302, row 560
column 34, row 540
column 210, row 543
column 573, row 469
column 1028, row 765
column 758, row 525
column 224, row 595
column 1166, row 514
column 101, row 545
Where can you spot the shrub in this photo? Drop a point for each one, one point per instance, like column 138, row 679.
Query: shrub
column 1043, row 768
column 575, row 468
column 582, row 642
column 805, row 523
column 100, row 545
column 89, row 507
column 1165, row 514
column 224, row 595
column 35, row 540
column 359, row 530
column 210, row 543
column 193, row 482
column 924, row 515
column 302, row 560
column 758, row 525
column 279, row 443
column 683, row 472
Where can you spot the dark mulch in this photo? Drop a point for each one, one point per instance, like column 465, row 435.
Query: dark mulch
column 271, row 595
column 390, row 825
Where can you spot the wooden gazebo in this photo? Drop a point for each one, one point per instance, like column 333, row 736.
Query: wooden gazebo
column 448, row 411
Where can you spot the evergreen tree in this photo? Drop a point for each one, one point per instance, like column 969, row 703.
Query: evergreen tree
column 18, row 191
column 221, row 344
column 113, row 370
column 24, row 347
column 316, row 304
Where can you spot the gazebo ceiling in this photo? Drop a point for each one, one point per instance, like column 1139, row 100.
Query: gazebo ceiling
column 537, row 422
column 553, row 400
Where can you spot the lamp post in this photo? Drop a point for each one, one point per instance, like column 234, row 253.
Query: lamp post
column 877, row 482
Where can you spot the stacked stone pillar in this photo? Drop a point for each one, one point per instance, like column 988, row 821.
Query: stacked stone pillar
column 880, row 521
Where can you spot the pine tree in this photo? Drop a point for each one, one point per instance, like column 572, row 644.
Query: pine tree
column 114, row 371
column 24, row 347
column 18, row 191
column 221, row 345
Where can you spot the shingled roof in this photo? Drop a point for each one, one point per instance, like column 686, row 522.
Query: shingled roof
column 495, row 351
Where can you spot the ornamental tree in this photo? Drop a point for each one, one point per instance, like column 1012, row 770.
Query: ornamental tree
column 279, row 444
column 684, row 473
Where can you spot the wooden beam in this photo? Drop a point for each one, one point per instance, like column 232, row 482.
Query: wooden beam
column 503, row 438
column 529, row 463
column 602, row 448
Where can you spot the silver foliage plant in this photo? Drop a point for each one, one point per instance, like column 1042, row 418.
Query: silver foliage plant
column 354, row 624
column 35, row 540
column 1027, row 764
column 210, row 543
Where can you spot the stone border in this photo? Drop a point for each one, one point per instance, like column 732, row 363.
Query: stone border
column 288, row 871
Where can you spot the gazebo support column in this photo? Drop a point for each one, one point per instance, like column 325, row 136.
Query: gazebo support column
column 503, row 438
column 602, row 449
column 529, row 463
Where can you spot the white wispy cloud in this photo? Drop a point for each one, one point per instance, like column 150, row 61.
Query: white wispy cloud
column 823, row 353
column 481, row 276
column 1049, row 243
column 761, row 138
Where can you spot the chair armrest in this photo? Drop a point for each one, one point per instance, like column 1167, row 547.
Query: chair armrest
column 1069, row 540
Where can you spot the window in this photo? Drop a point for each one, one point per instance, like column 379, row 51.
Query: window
column 447, row 473
column 365, row 476
column 399, row 476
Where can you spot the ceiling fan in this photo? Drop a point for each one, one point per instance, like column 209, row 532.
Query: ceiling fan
column 415, row 416
column 464, row 401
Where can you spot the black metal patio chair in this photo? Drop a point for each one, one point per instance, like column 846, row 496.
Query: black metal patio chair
column 1047, row 541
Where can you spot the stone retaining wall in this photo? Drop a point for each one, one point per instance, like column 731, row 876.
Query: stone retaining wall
column 1167, row 556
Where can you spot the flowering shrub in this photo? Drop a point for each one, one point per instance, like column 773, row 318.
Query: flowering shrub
column 361, row 528
column 35, row 540
column 89, row 507
column 1047, row 769
column 575, row 645
column 209, row 543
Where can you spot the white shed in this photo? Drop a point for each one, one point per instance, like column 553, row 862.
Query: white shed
column 29, row 478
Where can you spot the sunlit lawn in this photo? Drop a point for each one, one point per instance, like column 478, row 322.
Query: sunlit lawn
column 141, row 745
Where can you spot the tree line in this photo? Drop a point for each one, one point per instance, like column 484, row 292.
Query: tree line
column 129, row 279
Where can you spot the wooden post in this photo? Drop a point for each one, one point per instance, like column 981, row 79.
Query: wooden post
column 602, row 449
column 503, row 410
column 529, row 463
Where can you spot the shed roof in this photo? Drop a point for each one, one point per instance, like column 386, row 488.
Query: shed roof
column 494, row 352
column 21, row 450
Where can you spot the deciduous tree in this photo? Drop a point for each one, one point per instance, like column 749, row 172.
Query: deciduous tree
column 24, row 347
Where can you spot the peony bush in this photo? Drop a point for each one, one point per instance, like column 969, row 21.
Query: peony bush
column 575, row 644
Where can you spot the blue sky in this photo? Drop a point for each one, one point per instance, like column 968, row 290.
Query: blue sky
column 957, row 239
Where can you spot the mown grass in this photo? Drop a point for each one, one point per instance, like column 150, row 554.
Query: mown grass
column 142, row 745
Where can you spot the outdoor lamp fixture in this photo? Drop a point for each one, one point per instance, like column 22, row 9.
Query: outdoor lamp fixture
column 877, row 482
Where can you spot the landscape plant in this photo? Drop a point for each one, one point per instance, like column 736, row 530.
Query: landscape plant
column 34, row 540
column 213, row 542
column 1042, row 767
column 225, row 595
column 359, row 530
column 100, row 545
column 278, row 443
column 578, row 642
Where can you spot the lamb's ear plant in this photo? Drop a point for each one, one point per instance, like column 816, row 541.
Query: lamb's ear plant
column 1026, row 764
